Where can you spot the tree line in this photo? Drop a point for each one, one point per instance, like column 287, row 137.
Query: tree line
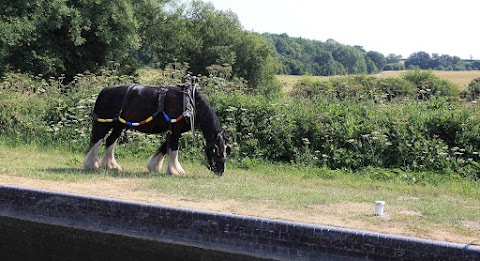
column 300, row 56
column 59, row 37
column 63, row 37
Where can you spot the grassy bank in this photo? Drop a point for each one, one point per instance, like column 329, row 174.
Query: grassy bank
column 443, row 209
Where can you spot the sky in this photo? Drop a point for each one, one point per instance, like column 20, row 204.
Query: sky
column 400, row 27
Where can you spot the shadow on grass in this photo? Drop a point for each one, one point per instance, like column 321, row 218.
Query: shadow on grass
column 109, row 173
column 123, row 174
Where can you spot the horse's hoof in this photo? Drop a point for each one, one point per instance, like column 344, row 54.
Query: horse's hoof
column 153, row 167
column 117, row 168
column 155, row 162
column 94, row 166
column 174, row 172
column 112, row 166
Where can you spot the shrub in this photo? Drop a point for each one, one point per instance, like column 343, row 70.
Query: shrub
column 359, row 87
column 474, row 89
column 429, row 85
column 396, row 87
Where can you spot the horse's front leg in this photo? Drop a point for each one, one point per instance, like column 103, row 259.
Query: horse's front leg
column 174, row 167
column 98, row 133
column 108, row 161
column 155, row 162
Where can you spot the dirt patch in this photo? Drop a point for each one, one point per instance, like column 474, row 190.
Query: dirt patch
column 345, row 214
column 472, row 225
column 408, row 198
column 410, row 213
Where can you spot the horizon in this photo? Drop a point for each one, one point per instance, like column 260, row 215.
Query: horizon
column 373, row 24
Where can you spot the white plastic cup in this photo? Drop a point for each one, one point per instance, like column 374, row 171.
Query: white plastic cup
column 379, row 207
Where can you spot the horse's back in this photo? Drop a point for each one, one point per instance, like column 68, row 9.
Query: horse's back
column 133, row 102
column 110, row 101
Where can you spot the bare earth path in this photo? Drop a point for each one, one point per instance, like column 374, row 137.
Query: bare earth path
column 349, row 215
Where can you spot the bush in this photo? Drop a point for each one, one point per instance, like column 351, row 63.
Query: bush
column 429, row 85
column 474, row 89
column 359, row 87
column 396, row 87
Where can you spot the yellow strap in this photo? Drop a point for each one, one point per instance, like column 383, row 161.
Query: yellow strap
column 104, row 120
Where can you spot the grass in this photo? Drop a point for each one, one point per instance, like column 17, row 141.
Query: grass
column 288, row 81
column 314, row 195
column 460, row 78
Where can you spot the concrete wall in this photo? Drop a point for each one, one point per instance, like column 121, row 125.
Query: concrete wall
column 125, row 230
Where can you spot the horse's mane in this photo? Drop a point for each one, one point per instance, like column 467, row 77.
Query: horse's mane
column 205, row 117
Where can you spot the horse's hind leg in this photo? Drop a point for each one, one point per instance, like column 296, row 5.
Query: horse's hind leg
column 108, row 160
column 99, row 131
column 155, row 162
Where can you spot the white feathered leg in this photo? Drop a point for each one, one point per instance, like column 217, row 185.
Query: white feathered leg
column 155, row 162
column 91, row 159
column 108, row 161
column 174, row 167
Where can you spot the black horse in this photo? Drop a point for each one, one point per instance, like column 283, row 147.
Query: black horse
column 155, row 109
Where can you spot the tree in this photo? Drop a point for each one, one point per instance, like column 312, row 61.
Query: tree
column 214, row 36
column 421, row 60
column 255, row 60
column 476, row 65
column 393, row 58
column 326, row 64
column 69, row 37
column 351, row 58
column 164, row 34
column 378, row 59
column 371, row 67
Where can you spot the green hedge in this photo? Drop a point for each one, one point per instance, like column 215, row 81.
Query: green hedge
column 433, row 135
column 352, row 131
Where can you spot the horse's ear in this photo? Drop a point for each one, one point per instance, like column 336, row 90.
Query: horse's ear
column 228, row 150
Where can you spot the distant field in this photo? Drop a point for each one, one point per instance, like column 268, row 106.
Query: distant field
column 460, row 78
column 288, row 81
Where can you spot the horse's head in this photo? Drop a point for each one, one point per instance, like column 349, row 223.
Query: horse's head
column 217, row 151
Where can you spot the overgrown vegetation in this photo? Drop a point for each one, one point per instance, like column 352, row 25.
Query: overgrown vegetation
column 57, row 37
column 413, row 123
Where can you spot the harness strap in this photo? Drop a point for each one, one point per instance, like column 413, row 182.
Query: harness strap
column 179, row 118
column 125, row 99
column 194, row 113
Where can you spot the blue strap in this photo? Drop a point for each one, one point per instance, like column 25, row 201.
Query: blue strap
column 166, row 117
